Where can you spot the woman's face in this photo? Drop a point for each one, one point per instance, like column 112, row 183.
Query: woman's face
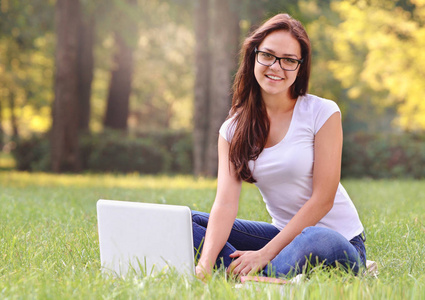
column 273, row 80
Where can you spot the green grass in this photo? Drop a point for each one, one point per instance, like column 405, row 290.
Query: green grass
column 49, row 243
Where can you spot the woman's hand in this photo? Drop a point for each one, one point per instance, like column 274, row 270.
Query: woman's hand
column 203, row 272
column 247, row 262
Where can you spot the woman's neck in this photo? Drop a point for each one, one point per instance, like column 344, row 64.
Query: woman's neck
column 276, row 104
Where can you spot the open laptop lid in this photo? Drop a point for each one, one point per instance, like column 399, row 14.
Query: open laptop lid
column 145, row 237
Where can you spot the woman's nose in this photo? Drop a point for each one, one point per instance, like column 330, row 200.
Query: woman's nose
column 275, row 65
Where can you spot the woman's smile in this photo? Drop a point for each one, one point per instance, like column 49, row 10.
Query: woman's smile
column 274, row 77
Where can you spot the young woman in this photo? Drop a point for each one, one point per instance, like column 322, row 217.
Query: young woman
column 289, row 144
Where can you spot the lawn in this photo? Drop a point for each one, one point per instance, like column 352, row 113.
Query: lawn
column 49, row 243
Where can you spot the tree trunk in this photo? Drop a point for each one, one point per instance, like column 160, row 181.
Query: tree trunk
column 202, row 81
column 13, row 121
column 117, row 108
column 225, row 42
column 120, row 86
column 64, row 132
column 85, row 69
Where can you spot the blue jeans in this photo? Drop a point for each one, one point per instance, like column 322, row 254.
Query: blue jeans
column 315, row 245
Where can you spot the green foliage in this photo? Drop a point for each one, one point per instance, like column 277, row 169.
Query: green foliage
column 117, row 153
column 26, row 63
column 113, row 151
column 26, row 78
column 164, row 74
column 384, row 156
column 32, row 154
column 364, row 155
column 162, row 85
column 322, row 80
column 150, row 153
column 379, row 58
column 24, row 22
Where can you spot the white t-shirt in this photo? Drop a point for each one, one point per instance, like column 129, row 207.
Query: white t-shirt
column 284, row 172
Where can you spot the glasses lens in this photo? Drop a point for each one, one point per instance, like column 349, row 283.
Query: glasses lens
column 265, row 58
column 288, row 63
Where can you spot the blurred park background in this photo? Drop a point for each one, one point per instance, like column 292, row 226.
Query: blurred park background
column 143, row 85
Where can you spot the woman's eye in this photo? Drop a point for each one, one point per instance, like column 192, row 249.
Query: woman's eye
column 266, row 55
column 289, row 60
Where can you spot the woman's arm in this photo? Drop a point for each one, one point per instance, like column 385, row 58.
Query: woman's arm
column 326, row 176
column 223, row 212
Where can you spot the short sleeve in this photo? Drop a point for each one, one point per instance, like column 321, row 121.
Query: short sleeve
column 324, row 109
column 227, row 129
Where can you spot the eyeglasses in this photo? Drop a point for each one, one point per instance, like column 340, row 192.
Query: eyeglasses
column 286, row 63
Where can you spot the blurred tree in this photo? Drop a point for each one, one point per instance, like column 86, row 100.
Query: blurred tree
column 218, row 35
column 13, row 119
column 64, row 132
column 117, row 108
column 201, row 90
column 224, row 42
column 1, row 128
column 24, row 28
column 162, row 79
column 319, row 19
column 162, row 86
column 379, row 57
column 85, row 64
column 27, row 53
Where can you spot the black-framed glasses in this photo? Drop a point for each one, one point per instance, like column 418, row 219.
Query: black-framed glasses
column 286, row 63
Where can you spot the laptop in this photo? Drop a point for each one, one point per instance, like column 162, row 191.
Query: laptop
column 144, row 238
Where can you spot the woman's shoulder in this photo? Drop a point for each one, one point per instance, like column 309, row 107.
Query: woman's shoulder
column 316, row 103
column 227, row 129
column 317, row 109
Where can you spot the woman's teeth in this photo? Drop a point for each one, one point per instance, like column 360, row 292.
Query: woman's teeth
column 274, row 77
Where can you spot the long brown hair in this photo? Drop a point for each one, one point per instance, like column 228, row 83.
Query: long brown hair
column 248, row 108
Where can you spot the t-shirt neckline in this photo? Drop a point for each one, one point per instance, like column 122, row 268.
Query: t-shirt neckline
column 289, row 132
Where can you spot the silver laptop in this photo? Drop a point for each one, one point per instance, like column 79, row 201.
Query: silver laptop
column 144, row 238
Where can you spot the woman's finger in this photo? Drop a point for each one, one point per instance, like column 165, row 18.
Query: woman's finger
column 237, row 253
column 234, row 265
column 245, row 271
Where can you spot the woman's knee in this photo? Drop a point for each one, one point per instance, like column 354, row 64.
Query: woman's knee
column 315, row 245
column 317, row 231
column 325, row 243
column 321, row 236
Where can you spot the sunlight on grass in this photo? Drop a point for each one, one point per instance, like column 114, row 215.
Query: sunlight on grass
column 134, row 180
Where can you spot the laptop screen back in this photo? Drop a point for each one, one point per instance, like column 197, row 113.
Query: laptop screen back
column 145, row 238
